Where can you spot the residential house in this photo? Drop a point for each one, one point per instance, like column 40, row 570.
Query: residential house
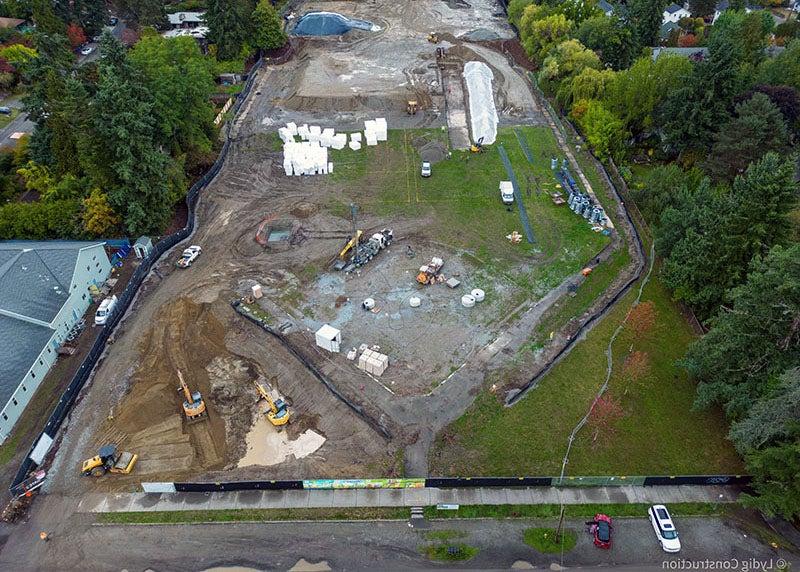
column 725, row 5
column 187, row 24
column 673, row 13
column 15, row 23
column 605, row 7
column 44, row 292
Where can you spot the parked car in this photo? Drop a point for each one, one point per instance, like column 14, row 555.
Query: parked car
column 86, row 50
column 507, row 192
column 113, row 21
column 5, row 110
column 426, row 169
column 105, row 310
column 601, row 528
column 189, row 256
column 664, row 528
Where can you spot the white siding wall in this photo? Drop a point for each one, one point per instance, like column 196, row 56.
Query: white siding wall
column 92, row 267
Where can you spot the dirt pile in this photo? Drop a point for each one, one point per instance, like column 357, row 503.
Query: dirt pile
column 190, row 338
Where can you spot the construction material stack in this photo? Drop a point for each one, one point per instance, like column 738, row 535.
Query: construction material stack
column 373, row 362
column 428, row 273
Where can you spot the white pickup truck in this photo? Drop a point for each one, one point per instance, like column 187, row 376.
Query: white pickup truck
column 507, row 192
column 189, row 255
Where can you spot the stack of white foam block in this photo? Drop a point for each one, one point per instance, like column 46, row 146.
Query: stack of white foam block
column 370, row 133
column 309, row 156
column 381, row 129
column 373, row 362
column 305, row 158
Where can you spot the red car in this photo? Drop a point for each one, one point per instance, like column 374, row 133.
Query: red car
column 601, row 527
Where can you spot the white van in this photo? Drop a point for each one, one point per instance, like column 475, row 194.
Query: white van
column 507, row 192
column 664, row 528
column 105, row 310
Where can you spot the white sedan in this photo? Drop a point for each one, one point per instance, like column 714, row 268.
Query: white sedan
column 86, row 50
column 189, row 255
column 664, row 528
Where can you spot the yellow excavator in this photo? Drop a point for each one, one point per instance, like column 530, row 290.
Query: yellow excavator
column 477, row 147
column 412, row 106
column 278, row 413
column 109, row 460
column 193, row 407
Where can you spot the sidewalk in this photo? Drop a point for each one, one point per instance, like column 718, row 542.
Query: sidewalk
column 138, row 502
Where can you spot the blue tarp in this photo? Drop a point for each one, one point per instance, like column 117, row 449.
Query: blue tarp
column 329, row 24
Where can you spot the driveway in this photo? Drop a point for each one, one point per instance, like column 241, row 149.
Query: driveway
column 19, row 124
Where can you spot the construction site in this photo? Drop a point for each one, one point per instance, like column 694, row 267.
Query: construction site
column 347, row 304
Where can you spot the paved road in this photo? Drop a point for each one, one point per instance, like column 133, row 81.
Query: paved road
column 78, row 543
column 19, row 123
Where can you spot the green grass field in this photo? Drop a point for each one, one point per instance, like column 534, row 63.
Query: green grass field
column 658, row 432
column 462, row 203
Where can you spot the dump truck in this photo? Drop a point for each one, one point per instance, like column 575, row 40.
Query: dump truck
column 109, row 460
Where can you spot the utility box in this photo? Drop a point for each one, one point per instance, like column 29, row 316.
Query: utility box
column 329, row 338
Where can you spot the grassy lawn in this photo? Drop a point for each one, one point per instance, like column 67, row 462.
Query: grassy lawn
column 657, row 433
column 253, row 515
column 635, row 510
column 544, row 540
column 450, row 552
column 461, row 200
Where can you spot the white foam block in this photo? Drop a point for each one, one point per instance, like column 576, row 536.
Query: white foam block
column 292, row 127
column 355, row 145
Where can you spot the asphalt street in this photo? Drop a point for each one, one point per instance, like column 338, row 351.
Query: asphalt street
column 77, row 542
column 19, row 124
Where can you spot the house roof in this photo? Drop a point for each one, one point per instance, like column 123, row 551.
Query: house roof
column 35, row 277
column 673, row 8
column 605, row 6
column 667, row 28
column 21, row 343
column 687, row 52
column 179, row 18
column 10, row 22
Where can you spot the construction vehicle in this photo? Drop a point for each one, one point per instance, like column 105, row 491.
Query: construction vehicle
column 433, row 38
column 193, row 407
column 428, row 273
column 278, row 412
column 357, row 252
column 411, row 107
column 477, row 147
column 109, row 460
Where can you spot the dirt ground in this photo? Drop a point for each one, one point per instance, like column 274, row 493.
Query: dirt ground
column 183, row 321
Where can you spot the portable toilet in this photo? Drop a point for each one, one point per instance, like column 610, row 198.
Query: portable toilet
column 329, row 338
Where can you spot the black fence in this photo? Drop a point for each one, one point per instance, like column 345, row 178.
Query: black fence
column 125, row 299
column 475, row 482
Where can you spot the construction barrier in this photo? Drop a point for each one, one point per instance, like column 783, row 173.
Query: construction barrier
column 459, row 482
column 125, row 299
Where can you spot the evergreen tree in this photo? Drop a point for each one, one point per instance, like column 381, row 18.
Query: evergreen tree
column 125, row 158
column 147, row 12
column 646, row 18
column 702, row 8
column 90, row 14
column 692, row 114
column 754, row 339
column 267, row 24
column 771, row 419
column 229, row 23
column 46, row 20
column 756, row 128
column 775, row 471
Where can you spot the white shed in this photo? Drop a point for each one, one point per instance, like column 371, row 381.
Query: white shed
column 329, row 338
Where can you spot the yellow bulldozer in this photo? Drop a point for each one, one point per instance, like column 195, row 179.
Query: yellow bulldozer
column 278, row 412
column 109, row 460
column 193, row 406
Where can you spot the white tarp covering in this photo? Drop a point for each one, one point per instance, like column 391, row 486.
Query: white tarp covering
column 482, row 112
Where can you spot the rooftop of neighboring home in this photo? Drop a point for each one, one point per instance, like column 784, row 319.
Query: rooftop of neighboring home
column 180, row 18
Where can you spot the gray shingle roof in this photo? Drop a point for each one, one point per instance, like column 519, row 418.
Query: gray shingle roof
column 21, row 343
column 672, row 8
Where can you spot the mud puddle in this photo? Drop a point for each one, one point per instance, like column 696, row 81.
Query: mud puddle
column 266, row 446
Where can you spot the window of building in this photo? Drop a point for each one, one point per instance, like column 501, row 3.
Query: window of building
column 88, row 268
column 14, row 401
column 24, row 388
column 41, row 362
column 5, row 417
column 83, row 297
column 33, row 375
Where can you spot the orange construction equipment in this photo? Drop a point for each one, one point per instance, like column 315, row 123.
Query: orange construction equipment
column 429, row 272
column 194, row 407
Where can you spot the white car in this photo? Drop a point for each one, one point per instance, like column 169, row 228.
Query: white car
column 189, row 255
column 664, row 528
column 105, row 310
column 86, row 50
column 426, row 169
column 507, row 192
